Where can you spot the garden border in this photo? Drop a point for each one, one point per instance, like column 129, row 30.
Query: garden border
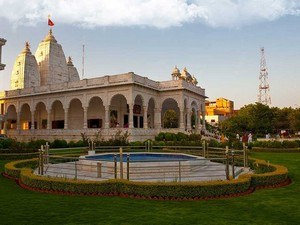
column 245, row 184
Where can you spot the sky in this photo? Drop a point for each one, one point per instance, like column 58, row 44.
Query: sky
column 218, row 41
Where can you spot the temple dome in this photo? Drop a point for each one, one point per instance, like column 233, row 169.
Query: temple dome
column 50, row 37
column 176, row 73
column 26, row 50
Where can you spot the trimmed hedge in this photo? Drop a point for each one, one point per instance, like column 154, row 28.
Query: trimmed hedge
column 274, row 174
column 17, row 156
column 277, row 144
column 14, row 168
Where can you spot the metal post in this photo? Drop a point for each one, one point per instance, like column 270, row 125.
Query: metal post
column 227, row 163
column 246, row 154
column 115, row 162
column 179, row 171
column 204, row 150
column 47, row 152
column 40, row 162
column 99, row 170
column 121, row 163
column 244, row 148
column 76, row 170
column 127, row 166
column 232, row 154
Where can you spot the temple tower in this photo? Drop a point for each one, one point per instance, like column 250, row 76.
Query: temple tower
column 52, row 62
column 25, row 72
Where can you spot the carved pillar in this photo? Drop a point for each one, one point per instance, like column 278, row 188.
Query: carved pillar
column 5, row 125
column 181, row 117
column 48, row 119
column 198, row 121
column 157, row 118
column 18, row 120
column 188, row 114
column 203, row 120
column 66, row 118
column 130, row 116
column 32, row 120
column 145, row 117
column 106, row 122
column 85, row 109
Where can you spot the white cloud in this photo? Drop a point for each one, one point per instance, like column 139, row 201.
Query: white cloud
column 153, row 13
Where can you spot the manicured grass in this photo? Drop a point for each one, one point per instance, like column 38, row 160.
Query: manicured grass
column 276, row 206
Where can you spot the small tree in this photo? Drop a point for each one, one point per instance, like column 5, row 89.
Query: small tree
column 170, row 119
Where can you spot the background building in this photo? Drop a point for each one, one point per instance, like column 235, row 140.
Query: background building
column 217, row 111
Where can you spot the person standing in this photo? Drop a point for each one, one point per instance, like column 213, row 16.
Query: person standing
column 249, row 138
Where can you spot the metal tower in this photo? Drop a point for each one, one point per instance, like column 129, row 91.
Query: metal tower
column 264, row 87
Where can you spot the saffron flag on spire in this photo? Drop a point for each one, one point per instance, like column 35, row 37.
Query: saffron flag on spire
column 50, row 22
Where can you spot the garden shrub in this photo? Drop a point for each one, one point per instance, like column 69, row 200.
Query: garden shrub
column 290, row 144
column 160, row 137
column 137, row 143
column 182, row 137
column 35, row 144
column 195, row 137
column 59, row 144
column 214, row 143
column 237, row 145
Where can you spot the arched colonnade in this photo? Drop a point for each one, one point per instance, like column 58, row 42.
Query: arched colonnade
column 119, row 113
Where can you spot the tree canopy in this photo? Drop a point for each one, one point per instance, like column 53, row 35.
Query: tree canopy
column 261, row 119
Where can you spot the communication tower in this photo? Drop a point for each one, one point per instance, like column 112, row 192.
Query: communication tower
column 264, row 87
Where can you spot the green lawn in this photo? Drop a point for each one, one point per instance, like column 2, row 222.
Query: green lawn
column 277, row 206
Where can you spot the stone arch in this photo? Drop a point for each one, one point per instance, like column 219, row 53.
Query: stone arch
column 170, row 105
column 118, row 111
column 138, row 112
column 39, row 102
column 40, row 115
column 25, row 117
column 140, row 99
column 11, row 117
column 116, row 95
column 194, row 105
column 75, row 114
column 151, row 113
column 70, row 100
column 57, row 115
column 95, row 113
column 177, row 101
column 194, row 114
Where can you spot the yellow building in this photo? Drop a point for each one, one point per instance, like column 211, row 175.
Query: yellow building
column 221, row 106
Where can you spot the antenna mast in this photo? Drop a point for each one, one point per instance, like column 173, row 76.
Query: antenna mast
column 264, row 87
column 82, row 74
